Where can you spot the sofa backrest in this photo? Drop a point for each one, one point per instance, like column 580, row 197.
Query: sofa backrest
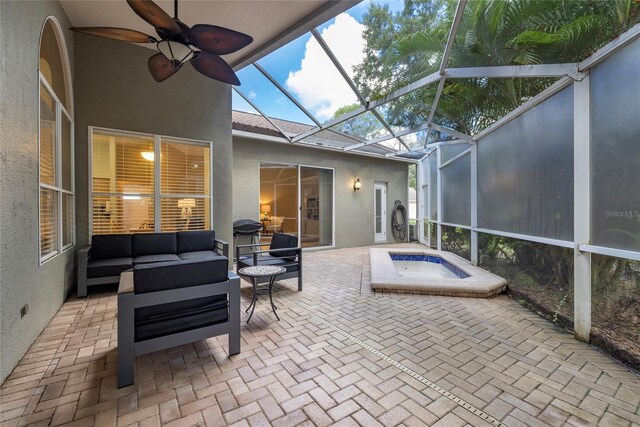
column 179, row 274
column 193, row 241
column 105, row 246
column 154, row 244
column 282, row 241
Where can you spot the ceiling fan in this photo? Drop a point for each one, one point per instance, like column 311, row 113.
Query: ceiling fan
column 201, row 44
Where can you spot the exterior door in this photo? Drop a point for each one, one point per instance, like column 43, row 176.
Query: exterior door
column 380, row 209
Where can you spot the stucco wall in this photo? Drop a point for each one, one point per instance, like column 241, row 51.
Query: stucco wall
column 353, row 210
column 23, row 280
column 115, row 90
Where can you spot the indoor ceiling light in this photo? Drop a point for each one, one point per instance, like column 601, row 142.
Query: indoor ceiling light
column 148, row 155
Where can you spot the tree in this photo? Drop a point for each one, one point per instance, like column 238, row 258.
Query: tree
column 492, row 32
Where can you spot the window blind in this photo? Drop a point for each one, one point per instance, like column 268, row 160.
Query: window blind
column 126, row 197
column 47, row 137
column 48, row 222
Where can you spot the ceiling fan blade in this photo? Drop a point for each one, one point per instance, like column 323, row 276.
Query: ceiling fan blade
column 154, row 15
column 218, row 40
column 213, row 66
column 123, row 34
column 161, row 68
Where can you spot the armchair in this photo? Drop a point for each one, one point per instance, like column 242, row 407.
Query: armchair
column 283, row 251
column 167, row 304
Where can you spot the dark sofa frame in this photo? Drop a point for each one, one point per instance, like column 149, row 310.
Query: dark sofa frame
column 128, row 301
column 221, row 247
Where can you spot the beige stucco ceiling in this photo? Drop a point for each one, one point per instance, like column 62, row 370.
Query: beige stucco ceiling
column 265, row 20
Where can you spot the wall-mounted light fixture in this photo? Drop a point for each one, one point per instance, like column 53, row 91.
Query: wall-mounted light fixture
column 357, row 184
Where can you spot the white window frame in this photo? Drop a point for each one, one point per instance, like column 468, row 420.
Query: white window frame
column 57, row 188
column 157, row 194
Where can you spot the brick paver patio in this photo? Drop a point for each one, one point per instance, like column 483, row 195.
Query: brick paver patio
column 340, row 355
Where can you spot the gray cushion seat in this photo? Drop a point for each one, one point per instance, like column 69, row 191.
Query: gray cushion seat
column 149, row 259
column 208, row 255
column 108, row 267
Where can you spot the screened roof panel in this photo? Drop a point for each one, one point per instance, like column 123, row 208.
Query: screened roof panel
column 410, row 110
column 267, row 97
column 303, row 68
column 346, row 37
column 364, row 127
column 392, row 143
column 406, row 42
column 240, row 104
column 416, row 139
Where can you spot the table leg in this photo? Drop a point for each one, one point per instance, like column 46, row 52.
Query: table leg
column 273, row 307
column 255, row 297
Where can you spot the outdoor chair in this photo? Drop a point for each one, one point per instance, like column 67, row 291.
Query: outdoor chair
column 167, row 304
column 283, row 251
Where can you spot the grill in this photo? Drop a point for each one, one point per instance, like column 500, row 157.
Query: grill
column 246, row 227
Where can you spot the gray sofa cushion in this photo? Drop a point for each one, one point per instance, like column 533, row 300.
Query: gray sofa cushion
column 201, row 255
column 194, row 241
column 178, row 274
column 107, row 267
column 147, row 259
column 282, row 241
column 154, row 244
column 247, row 261
column 105, row 246
column 165, row 319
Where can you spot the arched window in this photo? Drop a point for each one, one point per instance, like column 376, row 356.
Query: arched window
column 56, row 168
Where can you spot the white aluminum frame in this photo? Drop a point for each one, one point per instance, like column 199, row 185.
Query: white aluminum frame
column 59, row 111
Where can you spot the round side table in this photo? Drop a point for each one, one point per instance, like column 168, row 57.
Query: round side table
column 258, row 272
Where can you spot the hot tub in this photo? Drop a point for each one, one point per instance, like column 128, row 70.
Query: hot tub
column 431, row 272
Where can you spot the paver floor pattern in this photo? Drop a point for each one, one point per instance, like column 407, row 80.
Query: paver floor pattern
column 493, row 354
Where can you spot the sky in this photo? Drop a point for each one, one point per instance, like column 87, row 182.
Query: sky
column 304, row 69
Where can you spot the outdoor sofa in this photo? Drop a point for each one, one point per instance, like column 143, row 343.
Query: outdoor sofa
column 109, row 255
column 283, row 251
column 167, row 304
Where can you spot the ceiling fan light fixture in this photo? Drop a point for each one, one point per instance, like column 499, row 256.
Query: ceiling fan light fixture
column 176, row 52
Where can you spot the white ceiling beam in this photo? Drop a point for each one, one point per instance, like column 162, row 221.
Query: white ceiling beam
column 452, row 132
column 286, row 93
column 338, row 66
column 516, row 71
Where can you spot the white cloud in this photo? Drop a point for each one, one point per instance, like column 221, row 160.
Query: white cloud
column 317, row 83
column 252, row 94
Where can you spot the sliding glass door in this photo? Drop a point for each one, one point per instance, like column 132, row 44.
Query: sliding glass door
column 297, row 200
column 316, row 225
column 278, row 199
